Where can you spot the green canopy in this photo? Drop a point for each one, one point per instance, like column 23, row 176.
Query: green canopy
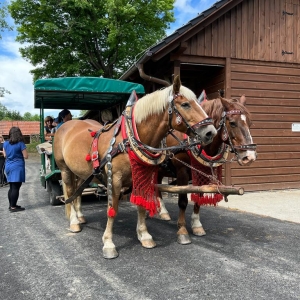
column 83, row 93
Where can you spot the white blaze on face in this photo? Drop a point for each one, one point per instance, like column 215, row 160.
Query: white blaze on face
column 251, row 154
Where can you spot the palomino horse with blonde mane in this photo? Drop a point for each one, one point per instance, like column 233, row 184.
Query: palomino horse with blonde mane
column 122, row 154
column 232, row 120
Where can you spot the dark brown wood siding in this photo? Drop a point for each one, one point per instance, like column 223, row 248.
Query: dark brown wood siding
column 255, row 30
column 273, row 98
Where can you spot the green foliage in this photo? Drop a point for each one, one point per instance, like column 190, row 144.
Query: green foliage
column 88, row 38
column 29, row 117
column 31, row 148
column 3, row 91
column 8, row 115
column 3, row 24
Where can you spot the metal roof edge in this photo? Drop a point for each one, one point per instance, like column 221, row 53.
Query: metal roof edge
column 168, row 39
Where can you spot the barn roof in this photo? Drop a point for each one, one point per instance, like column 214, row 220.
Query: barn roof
column 174, row 39
column 27, row 127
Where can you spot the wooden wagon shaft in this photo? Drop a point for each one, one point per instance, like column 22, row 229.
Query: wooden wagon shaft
column 184, row 189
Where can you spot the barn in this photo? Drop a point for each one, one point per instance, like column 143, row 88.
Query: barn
column 30, row 129
column 246, row 47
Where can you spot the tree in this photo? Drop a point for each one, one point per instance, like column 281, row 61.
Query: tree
column 29, row 117
column 88, row 37
column 3, row 91
column 3, row 14
column 3, row 111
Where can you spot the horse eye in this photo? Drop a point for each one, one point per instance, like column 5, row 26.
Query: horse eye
column 185, row 105
column 232, row 124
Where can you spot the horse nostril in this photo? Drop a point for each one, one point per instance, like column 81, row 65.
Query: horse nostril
column 209, row 135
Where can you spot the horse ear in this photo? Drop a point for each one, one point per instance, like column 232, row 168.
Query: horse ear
column 221, row 93
column 225, row 103
column 202, row 98
column 243, row 99
column 176, row 85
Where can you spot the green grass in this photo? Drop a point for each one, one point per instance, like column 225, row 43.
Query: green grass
column 31, row 148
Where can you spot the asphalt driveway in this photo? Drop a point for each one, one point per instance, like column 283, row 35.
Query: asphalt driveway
column 243, row 255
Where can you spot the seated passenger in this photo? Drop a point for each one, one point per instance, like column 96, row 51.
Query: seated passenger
column 48, row 128
column 64, row 116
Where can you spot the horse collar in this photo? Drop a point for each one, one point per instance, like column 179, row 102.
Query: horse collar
column 129, row 131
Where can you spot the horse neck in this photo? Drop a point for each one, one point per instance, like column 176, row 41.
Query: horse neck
column 153, row 129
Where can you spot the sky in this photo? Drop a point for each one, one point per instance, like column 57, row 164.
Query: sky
column 14, row 70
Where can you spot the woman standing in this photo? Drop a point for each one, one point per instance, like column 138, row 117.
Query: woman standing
column 15, row 152
column 2, row 163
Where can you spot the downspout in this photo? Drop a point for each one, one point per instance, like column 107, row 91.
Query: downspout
column 150, row 78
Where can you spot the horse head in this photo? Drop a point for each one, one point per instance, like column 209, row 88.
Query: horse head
column 186, row 115
column 235, row 130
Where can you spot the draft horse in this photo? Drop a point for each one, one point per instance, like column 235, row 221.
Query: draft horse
column 232, row 120
column 123, row 154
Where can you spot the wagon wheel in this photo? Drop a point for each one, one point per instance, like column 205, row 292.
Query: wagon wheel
column 54, row 189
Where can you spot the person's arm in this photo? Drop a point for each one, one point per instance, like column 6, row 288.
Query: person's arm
column 4, row 154
column 25, row 153
column 48, row 136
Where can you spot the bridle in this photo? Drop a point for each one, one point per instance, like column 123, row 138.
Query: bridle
column 226, row 147
column 190, row 129
column 226, row 136
column 142, row 150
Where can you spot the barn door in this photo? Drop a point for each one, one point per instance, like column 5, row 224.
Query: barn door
column 290, row 28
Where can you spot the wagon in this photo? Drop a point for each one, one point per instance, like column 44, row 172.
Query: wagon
column 91, row 94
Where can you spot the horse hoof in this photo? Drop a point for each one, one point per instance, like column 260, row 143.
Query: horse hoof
column 82, row 220
column 199, row 231
column 75, row 228
column 149, row 244
column 183, row 239
column 110, row 253
column 165, row 217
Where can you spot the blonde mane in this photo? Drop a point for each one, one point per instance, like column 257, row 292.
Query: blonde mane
column 156, row 102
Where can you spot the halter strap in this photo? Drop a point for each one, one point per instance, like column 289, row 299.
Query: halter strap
column 172, row 108
column 222, row 124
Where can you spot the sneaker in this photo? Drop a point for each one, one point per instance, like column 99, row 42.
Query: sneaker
column 18, row 206
column 17, row 209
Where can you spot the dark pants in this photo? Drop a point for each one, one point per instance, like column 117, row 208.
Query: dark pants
column 2, row 167
column 13, row 193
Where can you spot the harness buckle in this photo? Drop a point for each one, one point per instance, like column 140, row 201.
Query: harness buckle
column 121, row 147
column 94, row 155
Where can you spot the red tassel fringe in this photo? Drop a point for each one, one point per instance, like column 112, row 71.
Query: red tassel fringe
column 210, row 199
column 198, row 180
column 144, row 178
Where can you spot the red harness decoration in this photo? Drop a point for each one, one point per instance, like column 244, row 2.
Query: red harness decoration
column 198, row 179
column 144, row 178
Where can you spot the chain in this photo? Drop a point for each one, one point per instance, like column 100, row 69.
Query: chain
column 212, row 177
column 109, row 170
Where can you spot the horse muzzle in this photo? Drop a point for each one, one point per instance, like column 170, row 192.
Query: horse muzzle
column 245, row 158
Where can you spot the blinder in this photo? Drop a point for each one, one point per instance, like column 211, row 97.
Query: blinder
column 190, row 129
column 226, row 136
